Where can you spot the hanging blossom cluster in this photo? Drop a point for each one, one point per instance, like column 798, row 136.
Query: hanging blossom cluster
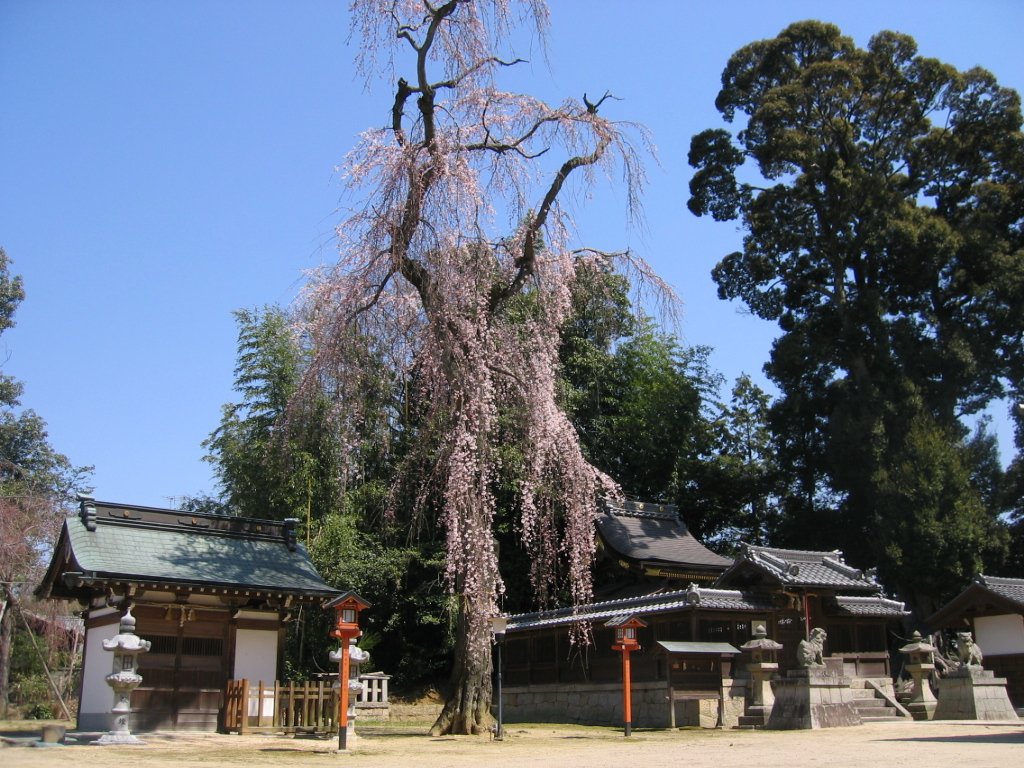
column 456, row 264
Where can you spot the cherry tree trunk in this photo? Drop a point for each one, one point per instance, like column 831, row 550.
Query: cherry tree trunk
column 6, row 637
column 467, row 709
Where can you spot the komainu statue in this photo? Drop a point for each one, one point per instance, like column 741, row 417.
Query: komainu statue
column 809, row 653
column 967, row 652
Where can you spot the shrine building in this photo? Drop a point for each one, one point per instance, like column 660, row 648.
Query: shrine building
column 211, row 593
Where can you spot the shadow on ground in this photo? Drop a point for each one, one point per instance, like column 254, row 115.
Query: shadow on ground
column 975, row 738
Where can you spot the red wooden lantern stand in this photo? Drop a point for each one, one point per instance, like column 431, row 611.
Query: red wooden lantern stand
column 346, row 628
column 626, row 641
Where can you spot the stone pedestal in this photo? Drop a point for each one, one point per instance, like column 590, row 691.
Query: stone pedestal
column 357, row 657
column 973, row 693
column 922, row 706
column 762, row 699
column 812, row 698
column 920, row 664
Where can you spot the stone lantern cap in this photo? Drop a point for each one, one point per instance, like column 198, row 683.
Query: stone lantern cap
column 126, row 641
column 917, row 645
column 761, row 641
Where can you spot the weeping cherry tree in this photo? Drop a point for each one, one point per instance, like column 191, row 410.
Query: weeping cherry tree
column 455, row 267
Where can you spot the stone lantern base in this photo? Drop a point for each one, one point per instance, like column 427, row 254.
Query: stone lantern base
column 113, row 737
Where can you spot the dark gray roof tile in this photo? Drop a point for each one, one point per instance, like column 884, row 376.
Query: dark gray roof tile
column 1011, row 589
column 802, row 568
column 870, row 606
column 660, row 602
column 654, row 533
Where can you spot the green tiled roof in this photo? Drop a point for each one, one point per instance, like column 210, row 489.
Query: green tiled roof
column 109, row 542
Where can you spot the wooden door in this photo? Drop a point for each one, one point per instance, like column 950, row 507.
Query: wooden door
column 185, row 671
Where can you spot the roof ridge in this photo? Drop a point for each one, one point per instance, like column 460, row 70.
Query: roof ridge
column 835, row 553
column 609, row 604
column 844, row 568
column 1008, row 581
column 650, row 509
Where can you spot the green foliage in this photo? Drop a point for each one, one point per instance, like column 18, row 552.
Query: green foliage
column 732, row 486
column 890, row 250
column 270, row 462
column 276, row 455
column 40, row 712
column 1013, row 494
column 407, row 627
column 930, row 522
column 12, row 293
column 646, row 410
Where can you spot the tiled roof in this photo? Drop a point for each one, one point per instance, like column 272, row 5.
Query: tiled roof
column 661, row 602
column 113, row 542
column 870, row 606
column 700, row 648
column 654, row 533
column 1011, row 589
column 802, row 568
column 984, row 596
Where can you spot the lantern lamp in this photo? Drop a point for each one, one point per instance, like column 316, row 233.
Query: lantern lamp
column 626, row 632
column 347, row 607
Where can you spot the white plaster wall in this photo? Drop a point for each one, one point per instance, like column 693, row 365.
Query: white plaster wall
column 97, row 696
column 996, row 635
column 256, row 660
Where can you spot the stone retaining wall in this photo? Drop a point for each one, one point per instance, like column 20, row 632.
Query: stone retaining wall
column 601, row 704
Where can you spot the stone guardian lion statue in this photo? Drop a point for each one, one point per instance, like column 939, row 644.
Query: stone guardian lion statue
column 968, row 654
column 809, row 653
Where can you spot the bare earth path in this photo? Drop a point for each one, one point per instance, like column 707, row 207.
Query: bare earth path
column 892, row 745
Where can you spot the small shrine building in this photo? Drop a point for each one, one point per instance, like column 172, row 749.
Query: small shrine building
column 211, row 593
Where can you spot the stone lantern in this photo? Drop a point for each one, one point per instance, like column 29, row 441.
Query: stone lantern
column 124, row 678
column 920, row 664
column 762, row 666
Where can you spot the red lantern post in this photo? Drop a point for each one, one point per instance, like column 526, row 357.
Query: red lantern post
column 626, row 641
column 346, row 628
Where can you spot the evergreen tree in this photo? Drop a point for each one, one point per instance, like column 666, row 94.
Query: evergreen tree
column 270, row 465
column 885, row 237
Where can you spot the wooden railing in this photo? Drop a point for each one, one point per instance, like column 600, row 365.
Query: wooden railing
column 291, row 707
column 287, row 707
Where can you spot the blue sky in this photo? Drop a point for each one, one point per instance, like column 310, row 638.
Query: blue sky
column 166, row 163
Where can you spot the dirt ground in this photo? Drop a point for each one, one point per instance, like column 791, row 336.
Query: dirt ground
column 893, row 745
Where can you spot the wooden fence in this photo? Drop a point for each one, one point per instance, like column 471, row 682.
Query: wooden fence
column 309, row 707
column 289, row 707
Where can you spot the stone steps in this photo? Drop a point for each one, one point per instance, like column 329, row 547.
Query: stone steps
column 872, row 708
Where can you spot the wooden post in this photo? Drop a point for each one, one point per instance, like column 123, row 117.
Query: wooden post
column 343, row 696
column 671, row 697
column 627, row 699
column 243, row 725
